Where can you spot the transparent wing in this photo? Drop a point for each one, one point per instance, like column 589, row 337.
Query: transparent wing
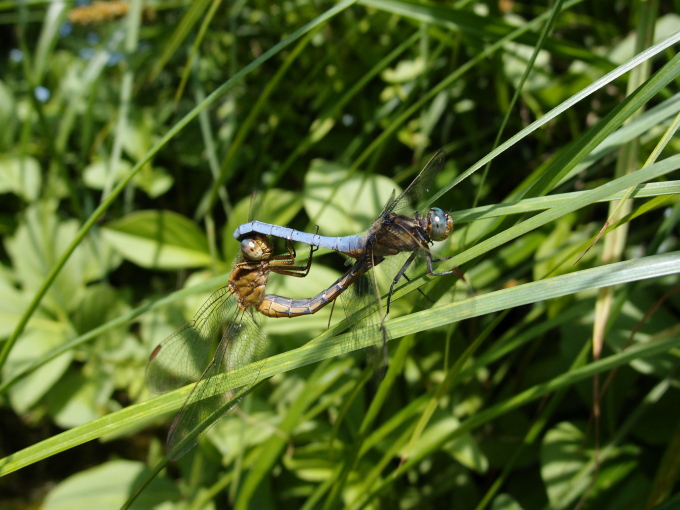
column 255, row 209
column 243, row 346
column 363, row 310
column 184, row 354
column 363, row 303
column 420, row 186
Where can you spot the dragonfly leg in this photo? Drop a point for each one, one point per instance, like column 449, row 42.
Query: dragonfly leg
column 281, row 263
column 430, row 267
column 398, row 276
column 292, row 254
column 291, row 249
column 420, row 290
column 286, row 259
column 312, row 249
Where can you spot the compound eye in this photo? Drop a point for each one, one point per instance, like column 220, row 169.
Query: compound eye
column 439, row 224
column 252, row 250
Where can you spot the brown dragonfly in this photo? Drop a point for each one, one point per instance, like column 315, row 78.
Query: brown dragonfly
column 226, row 318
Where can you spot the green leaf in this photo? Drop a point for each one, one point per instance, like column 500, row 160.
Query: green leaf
column 159, row 239
column 96, row 176
column 20, row 175
column 109, row 486
column 563, row 455
column 342, row 203
column 78, row 399
column 39, row 241
column 464, row 449
column 505, row 502
column 30, row 348
column 230, row 435
column 154, row 181
column 406, row 70
column 12, row 303
column 100, row 303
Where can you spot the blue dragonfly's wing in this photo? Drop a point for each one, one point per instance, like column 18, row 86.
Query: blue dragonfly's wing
column 243, row 346
column 419, row 187
column 363, row 311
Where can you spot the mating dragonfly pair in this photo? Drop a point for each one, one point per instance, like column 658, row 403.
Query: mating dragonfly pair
column 228, row 318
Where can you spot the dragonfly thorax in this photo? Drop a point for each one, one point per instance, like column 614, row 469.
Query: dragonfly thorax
column 439, row 224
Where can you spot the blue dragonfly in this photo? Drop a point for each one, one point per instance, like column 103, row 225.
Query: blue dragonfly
column 390, row 234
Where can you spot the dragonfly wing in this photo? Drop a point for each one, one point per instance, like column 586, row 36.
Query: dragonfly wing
column 420, row 186
column 389, row 205
column 243, row 346
column 183, row 355
column 362, row 304
column 255, row 208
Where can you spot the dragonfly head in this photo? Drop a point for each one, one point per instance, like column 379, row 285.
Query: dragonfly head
column 439, row 224
column 257, row 247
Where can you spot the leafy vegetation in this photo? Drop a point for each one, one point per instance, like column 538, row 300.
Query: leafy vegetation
column 133, row 136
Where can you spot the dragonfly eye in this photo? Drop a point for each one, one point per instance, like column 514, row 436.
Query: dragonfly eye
column 439, row 224
column 252, row 250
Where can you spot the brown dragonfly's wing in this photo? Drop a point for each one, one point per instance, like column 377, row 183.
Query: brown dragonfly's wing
column 243, row 346
column 184, row 354
column 419, row 187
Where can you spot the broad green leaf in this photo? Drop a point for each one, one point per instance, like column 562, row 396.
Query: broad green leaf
column 463, row 449
column 234, row 433
column 78, row 399
column 342, row 203
column 36, row 245
column 563, row 455
column 621, row 480
column 154, row 181
column 20, row 175
column 514, row 65
column 406, row 70
column 278, row 205
column 100, row 304
column 505, row 502
column 159, row 239
column 108, row 486
column 138, row 135
column 42, row 336
column 13, row 302
column 95, row 175
column 31, row 347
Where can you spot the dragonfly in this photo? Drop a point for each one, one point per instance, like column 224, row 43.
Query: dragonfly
column 227, row 317
column 390, row 234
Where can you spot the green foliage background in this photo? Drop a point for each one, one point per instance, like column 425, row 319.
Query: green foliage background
column 129, row 149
